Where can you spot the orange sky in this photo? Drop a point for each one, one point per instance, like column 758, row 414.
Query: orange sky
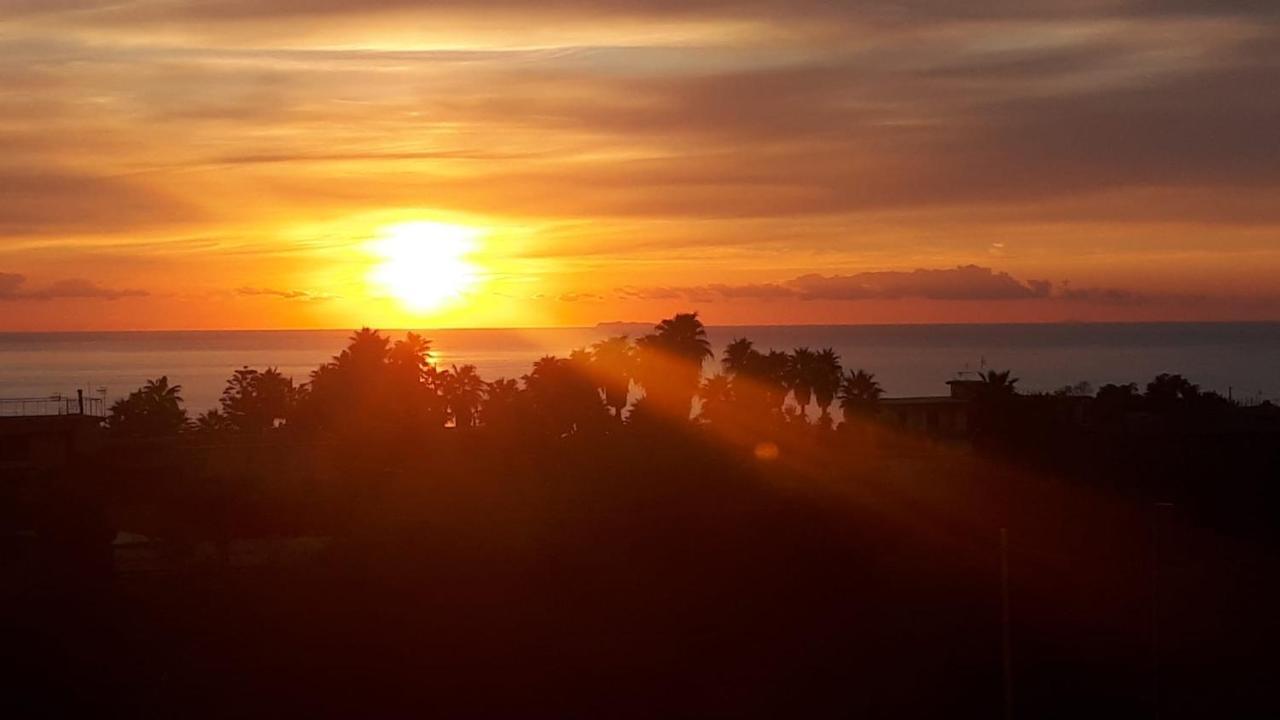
column 235, row 163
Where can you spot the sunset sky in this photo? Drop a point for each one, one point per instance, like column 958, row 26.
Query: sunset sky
column 333, row 163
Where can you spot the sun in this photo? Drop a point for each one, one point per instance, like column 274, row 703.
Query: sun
column 425, row 265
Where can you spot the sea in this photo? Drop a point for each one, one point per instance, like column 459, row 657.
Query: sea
column 1240, row 359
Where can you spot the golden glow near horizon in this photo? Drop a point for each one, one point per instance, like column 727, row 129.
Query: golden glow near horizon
column 427, row 266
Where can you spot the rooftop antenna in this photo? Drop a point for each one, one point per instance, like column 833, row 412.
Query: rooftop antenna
column 967, row 372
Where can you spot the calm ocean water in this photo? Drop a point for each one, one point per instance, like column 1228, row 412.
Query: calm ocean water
column 908, row 359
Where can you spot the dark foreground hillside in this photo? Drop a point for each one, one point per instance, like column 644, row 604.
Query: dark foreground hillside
column 650, row 574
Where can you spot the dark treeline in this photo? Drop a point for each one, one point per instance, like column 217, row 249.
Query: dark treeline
column 382, row 401
column 616, row 534
column 377, row 383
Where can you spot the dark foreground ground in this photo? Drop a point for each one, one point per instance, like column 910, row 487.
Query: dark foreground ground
column 623, row 582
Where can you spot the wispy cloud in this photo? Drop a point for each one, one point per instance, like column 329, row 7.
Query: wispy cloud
column 580, row 297
column 13, row 286
column 302, row 295
column 967, row 283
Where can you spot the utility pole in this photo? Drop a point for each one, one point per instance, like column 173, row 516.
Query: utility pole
column 1006, row 643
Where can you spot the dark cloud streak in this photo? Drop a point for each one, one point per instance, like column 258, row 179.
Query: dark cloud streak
column 966, row 283
column 300, row 295
column 13, row 287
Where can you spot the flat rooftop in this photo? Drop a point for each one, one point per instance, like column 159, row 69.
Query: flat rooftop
column 53, row 406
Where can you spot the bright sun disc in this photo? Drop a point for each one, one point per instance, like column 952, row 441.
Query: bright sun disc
column 424, row 264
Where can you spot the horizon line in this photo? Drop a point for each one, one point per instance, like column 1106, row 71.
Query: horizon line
column 606, row 323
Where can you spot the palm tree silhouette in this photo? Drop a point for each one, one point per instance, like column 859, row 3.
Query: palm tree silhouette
column 155, row 409
column 411, row 357
column 161, row 393
column 717, row 394
column 563, row 397
column 365, row 353
column 685, row 336
column 998, row 383
column 212, row 422
column 500, row 403
column 355, row 391
column 738, row 356
column 801, row 371
column 670, row 361
column 463, row 391
column 613, row 364
column 501, row 390
column 826, row 380
column 254, row 401
column 544, row 371
column 859, row 393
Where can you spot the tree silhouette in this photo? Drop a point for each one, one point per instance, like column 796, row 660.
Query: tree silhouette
column 770, row 373
column 859, row 394
column 994, row 414
column 762, row 379
column 998, row 383
column 502, row 405
column 463, row 390
column 827, row 378
column 366, row 353
column 1113, row 401
column 670, row 361
column 562, row 397
column 801, row 371
column 212, row 423
column 153, row 410
column 684, row 335
column 613, row 365
column 352, row 386
column 410, row 358
column 1119, row 394
column 373, row 390
column 738, row 355
column 718, row 399
column 1167, row 390
column 254, row 401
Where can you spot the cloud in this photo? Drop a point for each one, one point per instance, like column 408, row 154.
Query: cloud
column 1125, row 297
column 580, row 297
column 301, row 295
column 756, row 291
column 968, row 282
column 44, row 200
column 963, row 283
column 10, row 284
column 13, row 287
column 632, row 292
column 941, row 112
